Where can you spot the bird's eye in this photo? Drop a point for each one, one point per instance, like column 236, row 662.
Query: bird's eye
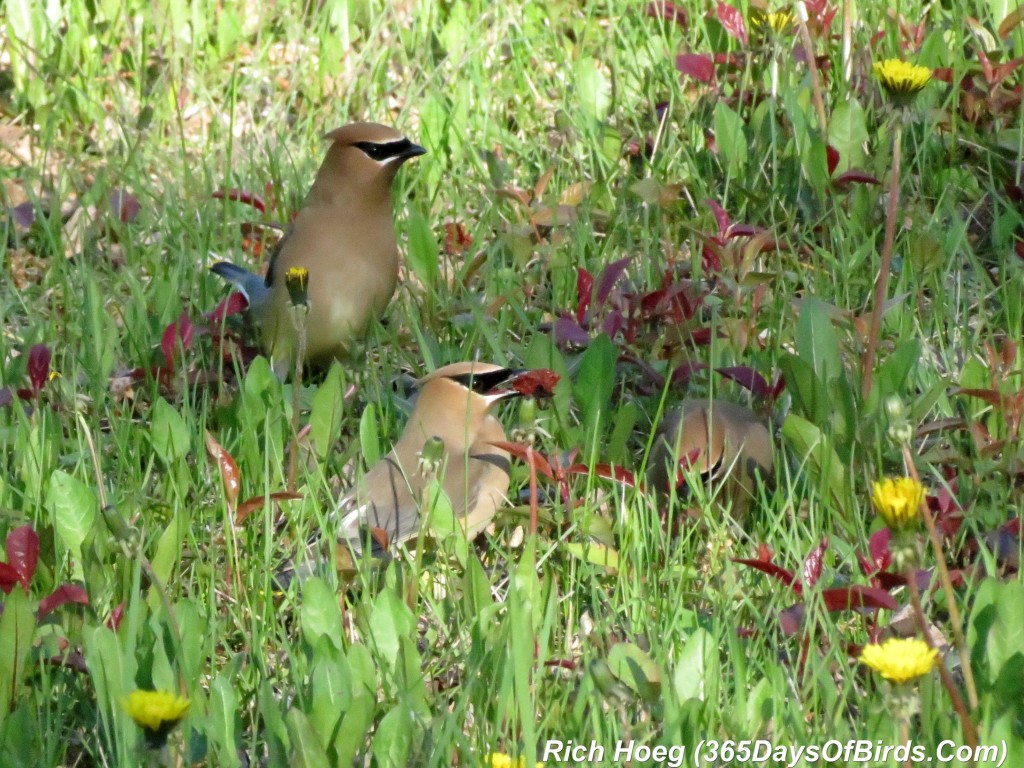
column 381, row 151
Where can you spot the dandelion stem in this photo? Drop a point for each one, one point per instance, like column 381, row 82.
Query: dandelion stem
column 947, row 587
column 966, row 725
column 881, row 284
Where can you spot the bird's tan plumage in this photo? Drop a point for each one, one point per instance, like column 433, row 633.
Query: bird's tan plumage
column 344, row 236
column 721, row 440
column 474, row 473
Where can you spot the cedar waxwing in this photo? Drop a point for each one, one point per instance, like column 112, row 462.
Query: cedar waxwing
column 344, row 236
column 450, row 427
column 720, row 440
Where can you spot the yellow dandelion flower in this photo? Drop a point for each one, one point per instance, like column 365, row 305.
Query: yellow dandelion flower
column 155, row 712
column 900, row 660
column 898, row 501
column 901, row 79
column 296, row 280
column 778, row 22
column 501, row 760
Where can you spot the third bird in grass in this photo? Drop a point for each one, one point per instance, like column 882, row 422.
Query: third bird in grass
column 344, row 235
column 720, row 441
column 449, row 437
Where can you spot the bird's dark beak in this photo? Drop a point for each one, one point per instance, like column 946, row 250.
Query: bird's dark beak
column 413, row 150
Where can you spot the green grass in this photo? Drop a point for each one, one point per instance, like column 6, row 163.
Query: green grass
column 437, row 662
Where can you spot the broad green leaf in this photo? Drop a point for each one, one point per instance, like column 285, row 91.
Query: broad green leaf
column 696, row 672
column 222, row 720
column 730, row 139
column 423, row 253
column 168, row 552
column 17, row 628
column 595, row 383
column 1006, row 635
column 598, row 554
column 275, row 732
column 810, row 397
column 73, row 507
column 390, row 620
column 636, row 669
column 354, row 727
column 169, row 433
column 320, row 613
column 848, row 133
column 442, row 522
column 393, row 740
column 369, row 435
column 816, row 339
column 328, row 409
column 307, row 750
column 809, row 442
column 593, row 88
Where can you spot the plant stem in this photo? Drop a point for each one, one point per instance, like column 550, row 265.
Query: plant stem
column 947, row 587
column 966, row 725
column 299, row 314
column 883, row 272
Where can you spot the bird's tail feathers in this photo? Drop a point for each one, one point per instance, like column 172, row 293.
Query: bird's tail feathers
column 252, row 286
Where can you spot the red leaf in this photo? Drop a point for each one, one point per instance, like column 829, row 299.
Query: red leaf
column 536, row 383
column 813, row 563
column 607, row 471
column 249, row 506
column 667, row 11
column 609, row 276
column 878, row 547
column 232, row 305
column 990, row 396
column 584, row 292
column 540, row 463
column 23, row 553
column 945, row 74
column 179, row 329
column 9, row 576
column 65, row 593
column 854, row 176
column 698, row 66
column 791, row 619
column 747, row 378
column 456, row 239
column 857, row 596
column 833, row 158
column 38, row 365
column 23, row 215
column 229, row 474
column 776, row 572
column 124, row 205
column 241, row 196
column 733, row 22
column 114, row 620
column 568, row 331
column 721, row 217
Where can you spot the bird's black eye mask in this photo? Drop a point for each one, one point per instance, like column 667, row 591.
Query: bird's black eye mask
column 388, row 150
column 484, row 383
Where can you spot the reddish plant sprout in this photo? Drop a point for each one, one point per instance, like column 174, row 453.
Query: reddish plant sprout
column 536, row 383
column 124, row 205
column 241, row 196
column 661, row 9
column 855, row 597
column 732, row 21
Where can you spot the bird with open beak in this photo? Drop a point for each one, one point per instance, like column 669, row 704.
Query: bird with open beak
column 344, row 237
column 720, row 441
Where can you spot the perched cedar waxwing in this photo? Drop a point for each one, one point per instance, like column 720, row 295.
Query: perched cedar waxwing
column 720, row 440
column 344, row 236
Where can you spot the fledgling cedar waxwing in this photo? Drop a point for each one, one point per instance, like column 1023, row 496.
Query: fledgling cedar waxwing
column 344, row 236
column 720, row 440
column 450, row 426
